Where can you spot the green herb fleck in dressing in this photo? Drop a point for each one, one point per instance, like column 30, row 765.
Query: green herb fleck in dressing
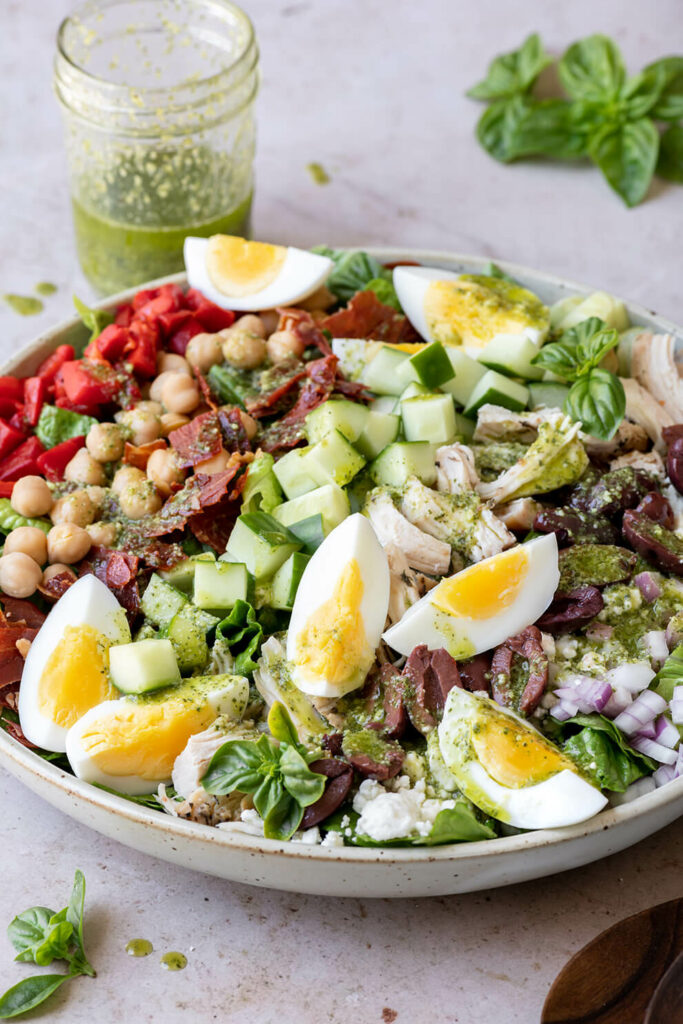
column 174, row 961
column 24, row 305
column 318, row 174
column 139, row 947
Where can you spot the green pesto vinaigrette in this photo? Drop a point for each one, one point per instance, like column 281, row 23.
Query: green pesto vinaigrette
column 24, row 305
column 46, row 288
column 139, row 947
column 174, row 961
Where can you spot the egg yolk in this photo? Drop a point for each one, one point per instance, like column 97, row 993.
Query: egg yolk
column 237, row 267
column 75, row 676
column 512, row 755
column 144, row 739
column 469, row 312
column 333, row 644
column 484, row 589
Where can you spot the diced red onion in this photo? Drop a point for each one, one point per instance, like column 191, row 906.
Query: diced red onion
column 676, row 708
column 644, row 709
column 633, row 676
column 666, row 733
column 599, row 631
column 678, row 693
column 656, row 646
column 649, row 730
column 648, row 585
column 587, row 694
column 618, row 702
column 653, row 749
column 562, row 712
column 666, row 773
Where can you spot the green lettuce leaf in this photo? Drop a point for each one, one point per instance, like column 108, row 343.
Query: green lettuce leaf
column 459, row 824
column 94, row 319
column 353, row 272
column 600, row 750
column 56, row 425
column 243, row 633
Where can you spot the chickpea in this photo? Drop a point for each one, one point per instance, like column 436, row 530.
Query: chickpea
column 243, row 349
column 30, row 540
column 150, row 405
column 164, row 470
column 321, row 299
column 31, row 496
column 204, row 351
column 142, row 424
column 127, row 476
column 138, row 500
column 84, row 469
column 284, row 344
column 97, row 496
column 104, row 534
column 172, row 361
column 270, row 318
column 180, row 393
column 158, row 384
column 249, row 423
column 56, row 570
column 252, row 323
column 171, row 421
column 19, row 574
column 75, row 508
column 68, row 543
column 105, row 442
column 216, row 464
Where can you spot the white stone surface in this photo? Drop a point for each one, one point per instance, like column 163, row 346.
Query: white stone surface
column 374, row 91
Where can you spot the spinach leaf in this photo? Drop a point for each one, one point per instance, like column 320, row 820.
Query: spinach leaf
column 602, row 753
column 627, row 156
column 598, row 401
column 670, row 163
column 383, row 287
column 353, row 271
column 56, row 425
column 29, row 993
column 592, row 69
column 460, row 824
column 669, row 106
column 243, row 634
column 513, row 73
column 94, row 319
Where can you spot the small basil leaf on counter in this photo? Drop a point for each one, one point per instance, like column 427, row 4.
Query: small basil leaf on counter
column 592, row 69
column 598, row 402
column 514, row 72
column 669, row 106
column 74, row 915
column 670, row 162
column 521, row 126
column 29, row 927
column 627, row 156
column 29, row 993
column 642, row 92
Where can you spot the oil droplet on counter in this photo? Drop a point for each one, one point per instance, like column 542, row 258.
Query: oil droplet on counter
column 139, row 947
column 24, row 305
column 46, row 288
column 318, row 174
column 174, row 961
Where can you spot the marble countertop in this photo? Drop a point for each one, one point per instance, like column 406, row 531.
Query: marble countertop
column 374, row 91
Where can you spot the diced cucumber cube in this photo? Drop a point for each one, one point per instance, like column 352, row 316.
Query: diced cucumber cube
column 413, row 390
column 431, row 365
column 512, row 355
column 464, row 427
column 336, row 414
column 143, row 665
column 262, row 492
column 146, row 632
column 161, row 601
column 548, row 394
column 329, row 501
column 496, row 389
column 385, row 403
column 218, row 585
column 181, row 576
column 429, row 418
column 381, row 428
column 380, row 374
column 398, row 461
column 286, row 581
column 354, row 354
column 468, row 372
column 262, row 542
column 310, row 531
column 187, row 633
column 294, row 474
column 334, row 460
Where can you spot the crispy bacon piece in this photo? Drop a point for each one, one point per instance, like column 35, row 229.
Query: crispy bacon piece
column 16, row 732
column 367, row 317
column 287, row 375
column 56, row 586
column 214, row 527
column 138, row 454
column 234, row 435
column 201, row 491
column 198, row 440
column 526, row 645
column 11, row 661
column 289, row 431
column 301, row 323
column 18, row 610
column 119, row 571
column 205, row 388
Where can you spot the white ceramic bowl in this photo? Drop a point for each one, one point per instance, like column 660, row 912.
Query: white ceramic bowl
column 426, row 871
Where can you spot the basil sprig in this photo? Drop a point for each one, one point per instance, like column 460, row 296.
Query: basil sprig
column 608, row 117
column 274, row 770
column 39, row 935
column 596, row 398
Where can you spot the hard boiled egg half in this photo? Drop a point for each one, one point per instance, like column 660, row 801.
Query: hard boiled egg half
column 131, row 744
column 339, row 611
column 66, row 669
column 483, row 605
column 469, row 309
column 241, row 275
column 508, row 769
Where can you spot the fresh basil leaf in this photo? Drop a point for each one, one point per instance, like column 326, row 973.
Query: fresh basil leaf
column 592, row 339
column 283, row 818
column 300, row 782
column 669, row 106
column 627, row 156
column 281, row 725
column 29, row 993
column 29, row 927
column 269, row 795
column 641, row 93
column 243, row 634
column 592, row 69
column 601, row 751
column 384, row 290
column 559, row 357
column 94, row 319
column 74, row 916
column 518, row 127
column 598, row 402
column 54, row 945
column 56, row 425
column 670, row 163
column 514, row 72
column 493, row 270
column 353, row 271
column 235, row 765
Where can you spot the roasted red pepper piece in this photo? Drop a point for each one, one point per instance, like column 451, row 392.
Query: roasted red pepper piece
column 6, row 488
column 169, row 299
column 109, row 345
column 212, row 317
column 23, row 461
column 180, row 339
column 142, row 356
column 86, row 385
column 124, row 315
column 11, row 394
column 17, row 421
column 53, row 462
column 10, row 438
column 142, row 297
column 35, row 392
column 49, row 367
column 170, row 322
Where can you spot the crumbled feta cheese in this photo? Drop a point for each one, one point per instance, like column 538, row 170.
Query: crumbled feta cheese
column 566, row 647
column 386, row 814
column 250, row 822
column 333, row 840
column 311, row 837
column 593, row 662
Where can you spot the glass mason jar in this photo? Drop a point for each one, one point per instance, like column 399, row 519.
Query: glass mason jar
column 157, row 97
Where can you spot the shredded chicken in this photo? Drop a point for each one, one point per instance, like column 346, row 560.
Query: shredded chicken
column 455, row 468
column 651, row 461
column 460, row 519
column 629, row 437
column 422, row 551
column 202, row 807
column 190, row 765
column 271, row 678
column 518, row 514
column 645, row 410
column 405, row 585
column 495, row 423
column 327, row 707
column 654, row 367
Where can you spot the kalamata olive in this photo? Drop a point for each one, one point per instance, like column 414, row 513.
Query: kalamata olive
column 656, row 507
column 594, row 565
column 573, row 526
column 384, row 702
column 614, row 492
column 475, row 673
column 339, row 781
column 674, row 463
column 430, row 675
column 653, row 541
column 672, row 433
column 528, row 646
column 571, row 611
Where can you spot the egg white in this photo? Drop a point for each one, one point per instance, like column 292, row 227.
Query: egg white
column 354, row 538
column 425, row 623
column 88, row 602
column 301, row 274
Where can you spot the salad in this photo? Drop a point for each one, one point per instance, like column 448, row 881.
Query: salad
column 341, row 553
